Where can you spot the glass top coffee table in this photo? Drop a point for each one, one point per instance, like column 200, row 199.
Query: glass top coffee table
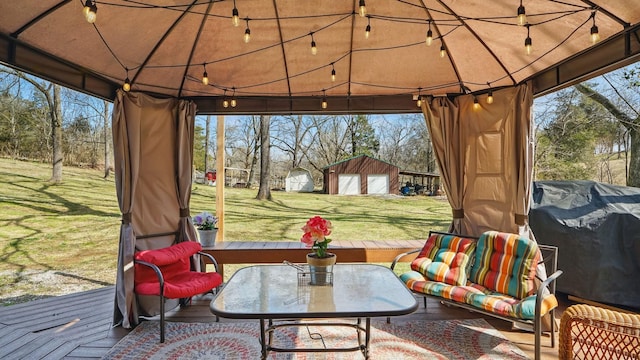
column 275, row 293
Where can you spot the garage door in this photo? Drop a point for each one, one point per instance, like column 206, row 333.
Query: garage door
column 349, row 184
column 378, row 184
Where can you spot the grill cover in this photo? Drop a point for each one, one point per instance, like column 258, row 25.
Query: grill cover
column 596, row 228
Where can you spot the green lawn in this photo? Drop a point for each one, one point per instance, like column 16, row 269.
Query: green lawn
column 62, row 238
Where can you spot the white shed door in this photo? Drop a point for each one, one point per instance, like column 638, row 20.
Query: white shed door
column 378, row 184
column 349, row 184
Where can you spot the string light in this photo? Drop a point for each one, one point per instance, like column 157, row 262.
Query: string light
column 314, row 49
column 429, row 35
column 233, row 98
column 522, row 16
column 90, row 9
column 367, row 30
column 225, row 102
column 127, row 83
column 363, row 8
column 235, row 18
column 419, row 102
column 595, row 35
column 333, row 73
column 443, row 50
column 476, row 104
column 205, row 76
column 324, row 99
column 490, row 96
column 528, row 44
column 247, row 33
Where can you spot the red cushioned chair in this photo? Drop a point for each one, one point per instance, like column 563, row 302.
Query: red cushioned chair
column 167, row 273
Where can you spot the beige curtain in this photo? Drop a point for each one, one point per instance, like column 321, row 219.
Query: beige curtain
column 153, row 147
column 485, row 158
column 443, row 121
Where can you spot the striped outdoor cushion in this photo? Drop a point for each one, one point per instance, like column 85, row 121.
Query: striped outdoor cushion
column 480, row 297
column 416, row 282
column 506, row 263
column 509, row 306
column 444, row 257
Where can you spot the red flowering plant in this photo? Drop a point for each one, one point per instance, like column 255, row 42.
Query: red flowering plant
column 315, row 235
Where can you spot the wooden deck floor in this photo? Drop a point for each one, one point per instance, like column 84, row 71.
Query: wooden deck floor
column 78, row 326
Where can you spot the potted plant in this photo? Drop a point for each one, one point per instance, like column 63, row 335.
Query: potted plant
column 320, row 261
column 207, row 225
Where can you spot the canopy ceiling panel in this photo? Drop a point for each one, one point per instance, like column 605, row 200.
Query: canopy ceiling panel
column 165, row 46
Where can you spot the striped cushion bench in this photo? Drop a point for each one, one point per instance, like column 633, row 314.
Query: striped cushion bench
column 494, row 274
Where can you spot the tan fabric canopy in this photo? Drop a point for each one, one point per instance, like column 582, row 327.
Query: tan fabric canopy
column 153, row 151
column 165, row 46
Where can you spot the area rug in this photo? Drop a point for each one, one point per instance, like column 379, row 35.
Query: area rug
column 400, row 340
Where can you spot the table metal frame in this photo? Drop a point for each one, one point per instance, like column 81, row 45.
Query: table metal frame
column 365, row 291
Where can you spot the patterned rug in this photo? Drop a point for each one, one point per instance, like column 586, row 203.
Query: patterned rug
column 452, row 339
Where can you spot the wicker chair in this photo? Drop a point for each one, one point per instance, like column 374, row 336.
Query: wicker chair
column 590, row 332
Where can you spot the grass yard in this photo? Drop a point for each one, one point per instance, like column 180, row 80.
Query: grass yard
column 57, row 239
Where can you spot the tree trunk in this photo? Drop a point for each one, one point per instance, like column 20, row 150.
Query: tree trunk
column 264, row 192
column 105, row 118
column 206, row 144
column 56, row 135
column 634, row 158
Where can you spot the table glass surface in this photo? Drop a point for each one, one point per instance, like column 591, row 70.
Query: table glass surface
column 273, row 291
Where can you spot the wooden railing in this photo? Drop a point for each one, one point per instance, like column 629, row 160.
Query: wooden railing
column 265, row 252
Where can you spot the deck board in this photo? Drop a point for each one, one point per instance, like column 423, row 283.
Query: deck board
column 93, row 336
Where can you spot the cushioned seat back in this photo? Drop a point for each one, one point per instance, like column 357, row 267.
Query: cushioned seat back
column 506, row 263
column 171, row 260
column 444, row 258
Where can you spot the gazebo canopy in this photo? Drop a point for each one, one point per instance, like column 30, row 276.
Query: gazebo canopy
column 165, row 46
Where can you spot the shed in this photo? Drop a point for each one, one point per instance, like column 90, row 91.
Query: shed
column 361, row 175
column 300, row 180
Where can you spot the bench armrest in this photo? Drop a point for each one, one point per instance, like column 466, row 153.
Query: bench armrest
column 400, row 256
column 542, row 288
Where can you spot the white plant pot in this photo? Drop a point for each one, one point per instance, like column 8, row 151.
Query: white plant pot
column 207, row 237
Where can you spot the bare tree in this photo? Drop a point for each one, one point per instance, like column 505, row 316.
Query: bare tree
column 107, row 140
column 630, row 121
column 51, row 94
column 264, row 192
column 294, row 136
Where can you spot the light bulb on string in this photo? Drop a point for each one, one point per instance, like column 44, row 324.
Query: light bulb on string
column 225, row 102
column 522, row 15
column 362, row 8
column 443, row 50
column 367, row 30
column 333, row 73
column 419, row 102
column 314, row 48
column 528, row 43
column 247, row 33
column 490, row 97
column 90, row 9
column 235, row 17
column 233, row 98
column 205, row 76
column 127, row 83
column 476, row 104
column 429, row 39
column 324, row 99
column 595, row 34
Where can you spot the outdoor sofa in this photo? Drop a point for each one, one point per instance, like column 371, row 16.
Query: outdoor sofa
column 495, row 274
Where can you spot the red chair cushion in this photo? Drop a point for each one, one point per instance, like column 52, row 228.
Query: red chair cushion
column 182, row 285
column 169, row 255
